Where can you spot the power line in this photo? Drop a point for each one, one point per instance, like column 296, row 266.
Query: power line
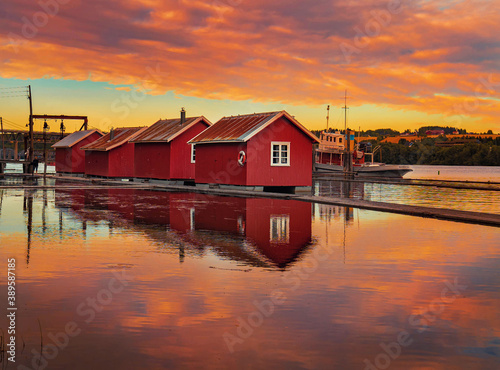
column 16, row 125
column 13, row 96
column 14, row 87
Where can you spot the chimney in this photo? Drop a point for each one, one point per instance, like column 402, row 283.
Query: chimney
column 111, row 134
column 183, row 116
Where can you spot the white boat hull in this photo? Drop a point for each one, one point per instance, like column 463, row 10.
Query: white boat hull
column 368, row 170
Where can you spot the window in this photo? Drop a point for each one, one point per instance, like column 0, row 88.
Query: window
column 279, row 231
column 193, row 153
column 340, row 140
column 280, row 153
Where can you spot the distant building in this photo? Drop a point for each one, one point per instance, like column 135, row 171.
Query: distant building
column 265, row 150
column 112, row 155
column 162, row 150
column 69, row 156
column 434, row 132
column 396, row 139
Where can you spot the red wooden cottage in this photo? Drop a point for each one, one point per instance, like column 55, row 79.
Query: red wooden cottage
column 69, row 157
column 112, row 155
column 162, row 150
column 264, row 151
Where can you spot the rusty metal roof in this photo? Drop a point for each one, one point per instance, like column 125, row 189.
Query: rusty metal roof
column 74, row 138
column 121, row 136
column 167, row 129
column 233, row 128
column 243, row 128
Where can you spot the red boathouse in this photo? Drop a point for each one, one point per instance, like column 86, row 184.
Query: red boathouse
column 263, row 151
column 162, row 150
column 112, row 155
column 69, row 157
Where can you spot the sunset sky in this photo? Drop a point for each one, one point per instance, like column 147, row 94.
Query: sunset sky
column 404, row 64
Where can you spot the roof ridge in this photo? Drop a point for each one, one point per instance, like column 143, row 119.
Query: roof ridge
column 178, row 118
column 254, row 114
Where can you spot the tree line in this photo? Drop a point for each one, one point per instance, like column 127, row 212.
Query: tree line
column 479, row 153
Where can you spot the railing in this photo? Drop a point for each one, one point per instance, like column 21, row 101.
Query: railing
column 325, row 147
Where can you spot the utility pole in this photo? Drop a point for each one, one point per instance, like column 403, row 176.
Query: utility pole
column 31, row 143
column 3, row 139
column 45, row 129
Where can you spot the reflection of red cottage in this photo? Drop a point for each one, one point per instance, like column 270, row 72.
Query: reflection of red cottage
column 69, row 157
column 112, row 155
column 264, row 150
column 162, row 151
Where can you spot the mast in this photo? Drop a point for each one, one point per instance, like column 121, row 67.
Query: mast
column 345, row 110
column 347, row 150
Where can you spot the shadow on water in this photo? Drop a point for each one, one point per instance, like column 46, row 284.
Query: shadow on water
column 271, row 233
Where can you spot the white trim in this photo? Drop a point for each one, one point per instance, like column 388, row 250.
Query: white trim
column 193, row 153
column 280, row 158
column 247, row 136
column 90, row 132
column 199, row 119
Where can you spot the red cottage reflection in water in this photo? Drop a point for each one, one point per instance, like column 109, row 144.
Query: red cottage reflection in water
column 257, row 231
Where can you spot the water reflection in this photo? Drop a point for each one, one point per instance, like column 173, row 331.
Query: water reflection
column 461, row 199
column 199, row 266
column 253, row 231
column 28, row 210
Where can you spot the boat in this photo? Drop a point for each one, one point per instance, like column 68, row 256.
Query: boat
column 331, row 153
column 330, row 156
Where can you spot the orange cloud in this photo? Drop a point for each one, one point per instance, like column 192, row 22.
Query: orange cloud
column 431, row 57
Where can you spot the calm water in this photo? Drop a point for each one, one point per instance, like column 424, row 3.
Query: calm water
column 154, row 280
column 455, row 173
column 487, row 201
column 18, row 168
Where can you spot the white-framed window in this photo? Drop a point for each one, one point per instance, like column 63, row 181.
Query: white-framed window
column 279, row 231
column 193, row 153
column 280, row 153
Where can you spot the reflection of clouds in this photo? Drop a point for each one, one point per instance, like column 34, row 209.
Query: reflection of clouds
column 175, row 313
